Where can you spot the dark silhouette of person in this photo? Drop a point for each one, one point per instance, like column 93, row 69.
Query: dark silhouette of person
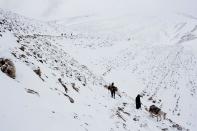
column 113, row 90
column 138, row 102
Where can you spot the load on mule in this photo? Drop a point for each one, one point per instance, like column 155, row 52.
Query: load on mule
column 157, row 112
column 154, row 109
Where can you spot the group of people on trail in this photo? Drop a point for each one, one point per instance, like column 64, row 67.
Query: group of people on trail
column 113, row 89
column 153, row 110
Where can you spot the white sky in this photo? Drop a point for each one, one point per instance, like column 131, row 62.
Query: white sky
column 56, row 9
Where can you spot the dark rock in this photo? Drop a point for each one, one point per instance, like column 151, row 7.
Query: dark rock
column 38, row 72
column 65, row 88
column 22, row 48
column 32, row 92
column 135, row 119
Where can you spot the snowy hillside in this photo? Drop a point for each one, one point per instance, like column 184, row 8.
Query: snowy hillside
column 160, row 53
column 78, row 56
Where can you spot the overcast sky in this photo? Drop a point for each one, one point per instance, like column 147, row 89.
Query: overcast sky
column 56, row 9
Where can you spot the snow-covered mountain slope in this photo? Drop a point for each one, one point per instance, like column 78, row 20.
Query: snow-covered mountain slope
column 159, row 52
column 77, row 58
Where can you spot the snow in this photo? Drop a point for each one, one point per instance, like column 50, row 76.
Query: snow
column 151, row 56
column 6, row 44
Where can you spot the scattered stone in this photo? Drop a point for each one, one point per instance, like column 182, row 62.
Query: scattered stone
column 23, row 56
column 120, row 116
column 38, row 71
column 41, row 61
column 74, row 87
column 65, row 88
column 70, row 99
column 124, row 104
column 22, row 48
column 135, row 119
column 177, row 126
column 32, row 92
column 150, row 98
column 164, row 129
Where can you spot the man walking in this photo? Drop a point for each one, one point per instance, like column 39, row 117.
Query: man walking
column 113, row 90
column 138, row 101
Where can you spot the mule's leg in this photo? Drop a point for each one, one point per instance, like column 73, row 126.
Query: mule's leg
column 160, row 116
column 151, row 114
column 157, row 118
column 164, row 116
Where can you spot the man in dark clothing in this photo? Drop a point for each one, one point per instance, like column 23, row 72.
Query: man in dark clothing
column 138, row 102
column 113, row 90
